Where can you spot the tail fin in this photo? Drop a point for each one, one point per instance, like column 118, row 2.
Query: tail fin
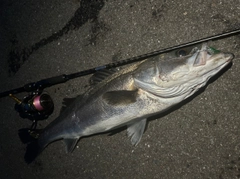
column 33, row 150
column 30, row 137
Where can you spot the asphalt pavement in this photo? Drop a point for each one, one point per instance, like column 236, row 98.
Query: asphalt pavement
column 41, row 39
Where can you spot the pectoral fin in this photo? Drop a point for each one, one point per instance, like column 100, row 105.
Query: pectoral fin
column 120, row 97
column 135, row 131
column 70, row 144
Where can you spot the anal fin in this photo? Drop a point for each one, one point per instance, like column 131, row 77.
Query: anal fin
column 136, row 130
column 70, row 144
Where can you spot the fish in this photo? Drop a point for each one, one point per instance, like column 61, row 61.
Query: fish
column 129, row 96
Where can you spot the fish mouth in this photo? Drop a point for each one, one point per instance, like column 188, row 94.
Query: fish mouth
column 210, row 73
column 207, row 54
column 229, row 56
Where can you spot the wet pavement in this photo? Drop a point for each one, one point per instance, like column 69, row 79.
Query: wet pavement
column 49, row 38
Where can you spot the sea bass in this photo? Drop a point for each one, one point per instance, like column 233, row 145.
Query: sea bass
column 129, row 96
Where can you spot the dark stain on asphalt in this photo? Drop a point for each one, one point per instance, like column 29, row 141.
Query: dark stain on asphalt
column 99, row 28
column 159, row 12
column 88, row 10
column 232, row 169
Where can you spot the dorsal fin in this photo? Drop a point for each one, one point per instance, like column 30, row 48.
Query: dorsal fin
column 94, row 79
column 66, row 102
column 101, row 75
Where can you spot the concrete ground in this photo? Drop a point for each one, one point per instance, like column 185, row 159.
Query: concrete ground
column 41, row 39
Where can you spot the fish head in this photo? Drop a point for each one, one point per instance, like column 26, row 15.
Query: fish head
column 192, row 69
column 183, row 75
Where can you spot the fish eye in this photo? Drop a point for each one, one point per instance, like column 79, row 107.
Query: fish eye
column 181, row 53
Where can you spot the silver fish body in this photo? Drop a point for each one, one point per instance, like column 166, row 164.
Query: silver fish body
column 130, row 96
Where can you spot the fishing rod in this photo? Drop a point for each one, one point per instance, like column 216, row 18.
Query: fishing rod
column 39, row 105
column 39, row 85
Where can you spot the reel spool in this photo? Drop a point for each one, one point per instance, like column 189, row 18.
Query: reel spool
column 34, row 107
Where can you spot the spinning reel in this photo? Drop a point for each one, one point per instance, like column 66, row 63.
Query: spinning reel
column 36, row 106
